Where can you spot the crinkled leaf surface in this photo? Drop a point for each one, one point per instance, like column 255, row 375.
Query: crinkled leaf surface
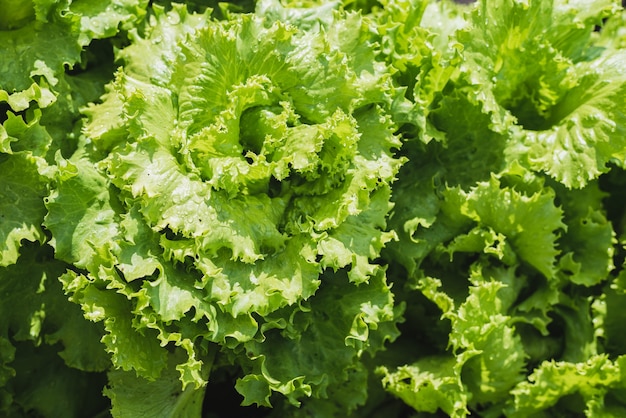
column 21, row 208
column 228, row 165
column 222, row 207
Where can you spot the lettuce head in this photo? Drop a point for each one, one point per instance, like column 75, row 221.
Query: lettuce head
column 232, row 178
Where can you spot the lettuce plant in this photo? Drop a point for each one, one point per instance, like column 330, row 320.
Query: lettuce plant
column 364, row 208
column 231, row 186
column 516, row 111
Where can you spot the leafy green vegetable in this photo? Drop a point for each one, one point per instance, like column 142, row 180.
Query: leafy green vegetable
column 217, row 182
column 301, row 208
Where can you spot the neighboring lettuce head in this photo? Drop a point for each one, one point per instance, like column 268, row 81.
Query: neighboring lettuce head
column 513, row 117
column 540, row 74
column 241, row 168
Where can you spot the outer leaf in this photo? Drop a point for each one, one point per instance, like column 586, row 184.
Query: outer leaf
column 80, row 214
column 314, row 350
column 46, row 46
column 588, row 127
column 529, row 222
column 488, row 356
column 21, row 204
column 100, row 19
column 129, row 349
column 429, row 385
column 592, row 379
column 608, row 317
column 57, row 389
column 588, row 244
column 495, row 357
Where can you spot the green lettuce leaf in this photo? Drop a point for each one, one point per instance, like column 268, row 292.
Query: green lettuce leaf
column 416, row 40
column 528, row 222
column 588, row 245
column 300, row 354
column 594, row 386
column 22, row 208
column 46, row 36
column 429, row 385
column 79, row 205
column 486, row 358
column 612, row 35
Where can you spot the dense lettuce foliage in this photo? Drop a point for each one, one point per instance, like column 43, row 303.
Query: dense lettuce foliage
column 311, row 208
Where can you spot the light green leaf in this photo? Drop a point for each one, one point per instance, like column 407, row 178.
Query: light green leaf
column 103, row 19
column 430, row 385
column 21, row 204
column 317, row 348
column 528, row 222
column 551, row 381
column 586, row 130
column 80, row 215
column 130, row 348
column 481, row 326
